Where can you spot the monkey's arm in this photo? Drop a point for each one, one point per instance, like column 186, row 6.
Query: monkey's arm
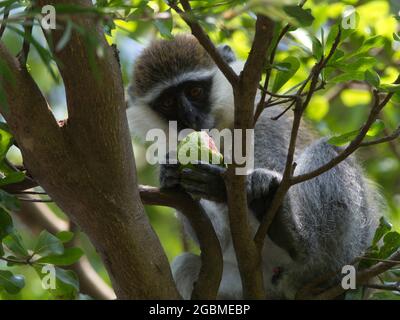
column 329, row 220
column 319, row 216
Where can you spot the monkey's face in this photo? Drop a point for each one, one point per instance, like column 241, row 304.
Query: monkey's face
column 176, row 80
column 188, row 103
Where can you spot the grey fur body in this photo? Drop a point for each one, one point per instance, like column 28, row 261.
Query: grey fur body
column 323, row 224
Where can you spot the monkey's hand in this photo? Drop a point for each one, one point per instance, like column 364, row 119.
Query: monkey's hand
column 169, row 175
column 204, row 181
column 261, row 187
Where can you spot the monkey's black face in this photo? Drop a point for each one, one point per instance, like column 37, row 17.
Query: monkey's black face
column 188, row 103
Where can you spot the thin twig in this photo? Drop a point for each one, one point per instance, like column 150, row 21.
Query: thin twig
column 388, row 138
column 261, row 104
column 35, row 200
column 354, row 144
column 284, row 111
column 30, row 192
column 23, row 54
column 362, row 277
column 287, row 178
column 204, row 40
column 390, row 287
column 379, row 260
column 14, row 260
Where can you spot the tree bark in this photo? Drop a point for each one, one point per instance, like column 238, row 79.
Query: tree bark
column 87, row 165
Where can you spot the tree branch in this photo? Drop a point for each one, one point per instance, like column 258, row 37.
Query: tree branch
column 287, row 178
column 207, row 285
column 210, row 275
column 87, row 165
column 28, row 25
column 245, row 89
column 388, row 138
column 390, row 287
column 249, row 258
column 204, row 40
column 354, row 144
column 362, row 277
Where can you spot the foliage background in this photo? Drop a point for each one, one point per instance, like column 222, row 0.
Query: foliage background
column 331, row 111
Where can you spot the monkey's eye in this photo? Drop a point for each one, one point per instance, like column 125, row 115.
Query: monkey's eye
column 195, row 92
column 167, row 103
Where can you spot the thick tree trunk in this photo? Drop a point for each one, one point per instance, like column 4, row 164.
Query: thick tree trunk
column 87, row 165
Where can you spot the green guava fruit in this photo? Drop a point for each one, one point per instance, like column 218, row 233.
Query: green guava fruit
column 198, row 147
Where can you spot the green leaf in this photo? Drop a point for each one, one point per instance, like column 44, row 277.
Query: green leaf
column 336, row 56
column 385, row 295
column 65, row 236
column 66, row 282
column 10, row 178
column 10, row 282
column 164, row 26
column 68, row 277
column 393, row 88
column 70, row 256
column 48, row 244
column 395, row 272
column 344, row 77
column 14, row 243
column 372, row 77
column 376, row 128
column 303, row 16
column 7, row 3
column 391, row 243
column 396, row 98
column 396, row 36
column 8, row 201
column 6, row 224
column 283, row 77
column 343, row 138
column 360, row 63
column 384, row 227
column 372, row 42
column 6, row 140
column 317, row 48
column 333, row 33
column 356, row 294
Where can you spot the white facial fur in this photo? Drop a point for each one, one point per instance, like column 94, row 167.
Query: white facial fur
column 142, row 118
column 222, row 98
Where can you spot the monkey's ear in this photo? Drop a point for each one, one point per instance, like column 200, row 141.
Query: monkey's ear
column 227, row 53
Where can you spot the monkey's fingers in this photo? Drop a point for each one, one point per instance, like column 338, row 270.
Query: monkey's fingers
column 210, row 168
column 203, row 184
column 196, row 191
column 169, row 177
column 201, row 192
